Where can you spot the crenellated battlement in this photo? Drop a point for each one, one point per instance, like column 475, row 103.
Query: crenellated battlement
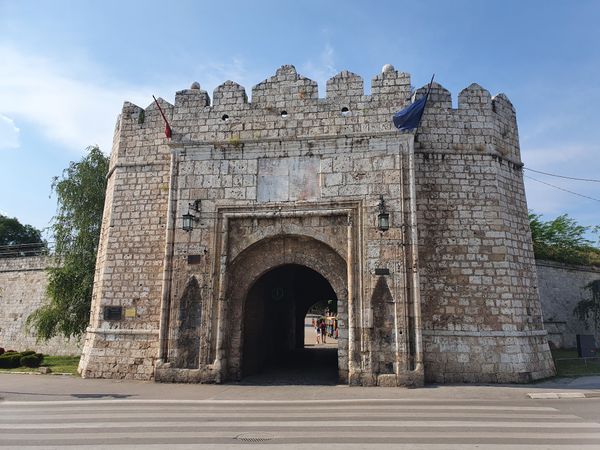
column 287, row 105
column 480, row 123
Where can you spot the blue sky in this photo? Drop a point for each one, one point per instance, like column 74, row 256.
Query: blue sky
column 67, row 66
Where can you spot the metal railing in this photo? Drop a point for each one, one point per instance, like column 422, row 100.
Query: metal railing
column 23, row 250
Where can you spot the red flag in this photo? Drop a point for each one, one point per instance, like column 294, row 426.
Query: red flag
column 168, row 131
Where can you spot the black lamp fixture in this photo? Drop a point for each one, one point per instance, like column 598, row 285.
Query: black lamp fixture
column 189, row 218
column 383, row 218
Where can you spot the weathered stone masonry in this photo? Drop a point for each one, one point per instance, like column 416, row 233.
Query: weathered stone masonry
column 23, row 282
column 561, row 287
column 293, row 182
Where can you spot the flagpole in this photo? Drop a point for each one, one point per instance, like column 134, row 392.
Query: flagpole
column 167, row 126
column 414, row 336
column 424, row 106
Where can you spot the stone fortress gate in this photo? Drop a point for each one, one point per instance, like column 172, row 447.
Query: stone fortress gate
column 223, row 236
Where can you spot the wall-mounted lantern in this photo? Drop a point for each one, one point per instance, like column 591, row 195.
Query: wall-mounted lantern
column 383, row 218
column 189, row 218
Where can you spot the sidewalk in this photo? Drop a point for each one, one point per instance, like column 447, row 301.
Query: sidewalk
column 308, row 375
column 48, row 387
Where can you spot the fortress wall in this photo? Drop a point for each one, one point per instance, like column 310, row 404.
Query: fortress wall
column 475, row 261
column 481, row 309
column 23, row 284
column 130, row 257
column 346, row 170
column 225, row 173
column 561, row 287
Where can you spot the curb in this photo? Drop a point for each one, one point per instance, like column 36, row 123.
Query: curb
column 561, row 395
column 38, row 373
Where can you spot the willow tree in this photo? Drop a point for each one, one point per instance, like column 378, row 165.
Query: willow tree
column 76, row 228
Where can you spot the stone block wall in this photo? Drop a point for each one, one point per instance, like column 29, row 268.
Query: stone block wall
column 288, row 154
column 23, row 284
column 217, row 149
column 561, row 287
column 338, row 173
column 481, row 310
column 129, row 268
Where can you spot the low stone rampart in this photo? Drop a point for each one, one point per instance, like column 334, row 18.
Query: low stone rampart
column 561, row 287
column 23, row 284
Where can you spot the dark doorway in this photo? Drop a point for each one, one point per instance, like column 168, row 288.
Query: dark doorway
column 274, row 350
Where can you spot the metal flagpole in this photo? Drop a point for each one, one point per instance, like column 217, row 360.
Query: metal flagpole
column 168, row 131
column 425, row 105
column 415, row 294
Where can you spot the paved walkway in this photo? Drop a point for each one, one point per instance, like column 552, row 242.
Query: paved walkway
column 55, row 387
column 307, row 374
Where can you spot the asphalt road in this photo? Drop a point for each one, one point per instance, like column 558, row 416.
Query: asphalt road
column 449, row 424
column 59, row 412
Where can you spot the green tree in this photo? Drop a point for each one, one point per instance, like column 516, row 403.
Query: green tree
column 563, row 239
column 13, row 232
column 76, row 229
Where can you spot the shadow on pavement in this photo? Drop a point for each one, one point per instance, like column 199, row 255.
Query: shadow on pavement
column 96, row 396
column 45, row 394
column 307, row 366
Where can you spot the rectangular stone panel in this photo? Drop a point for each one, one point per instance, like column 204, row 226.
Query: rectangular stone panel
column 288, row 179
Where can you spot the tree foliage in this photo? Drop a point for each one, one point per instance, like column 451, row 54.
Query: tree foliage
column 563, row 239
column 76, row 228
column 13, row 232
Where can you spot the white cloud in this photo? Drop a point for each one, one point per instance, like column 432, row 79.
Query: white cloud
column 74, row 103
column 323, row 69
column 216, row 73
column 69, row 106
column 573, row 159
column 557, row 156
column 9, row 133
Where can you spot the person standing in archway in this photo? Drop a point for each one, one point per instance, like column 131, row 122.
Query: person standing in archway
column 318, row 331
column 323, row 332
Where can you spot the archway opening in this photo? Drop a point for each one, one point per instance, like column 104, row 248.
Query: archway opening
column 279, row 340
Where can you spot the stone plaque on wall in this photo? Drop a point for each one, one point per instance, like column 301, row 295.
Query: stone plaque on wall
column 288, row 179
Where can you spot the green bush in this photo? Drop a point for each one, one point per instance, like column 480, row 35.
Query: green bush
column 30, row 361
column 11, row 361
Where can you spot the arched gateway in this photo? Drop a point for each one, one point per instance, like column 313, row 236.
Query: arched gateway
column 423, row 239
column 271, row 286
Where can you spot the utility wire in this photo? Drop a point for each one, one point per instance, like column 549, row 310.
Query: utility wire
column 562, row 176
column 562, row 189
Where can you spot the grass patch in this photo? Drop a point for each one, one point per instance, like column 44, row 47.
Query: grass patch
column 57, row 364
column 62, row 364
column 567, row 363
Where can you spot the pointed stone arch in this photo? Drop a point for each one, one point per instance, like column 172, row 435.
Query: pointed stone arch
column 189, row 318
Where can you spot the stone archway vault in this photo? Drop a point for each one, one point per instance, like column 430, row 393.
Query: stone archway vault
column 260, row 258
column 274, row 326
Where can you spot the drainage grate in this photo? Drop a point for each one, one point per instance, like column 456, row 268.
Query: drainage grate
column 254, row 437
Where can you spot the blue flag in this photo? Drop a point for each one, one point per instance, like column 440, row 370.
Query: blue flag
column 409, row 118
